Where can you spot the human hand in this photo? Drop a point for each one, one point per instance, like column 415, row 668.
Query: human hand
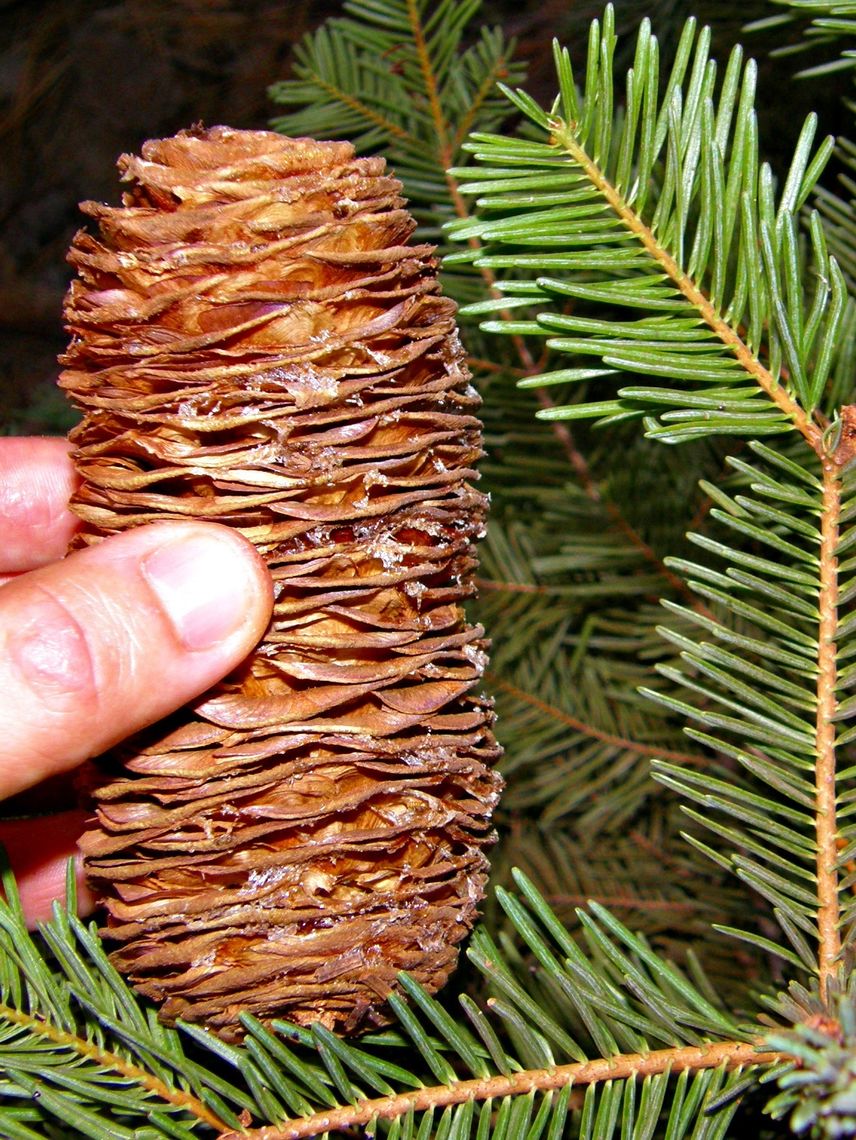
column 100, row 644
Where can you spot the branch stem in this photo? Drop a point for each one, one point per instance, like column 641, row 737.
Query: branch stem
column 732, row 1054
column 826, row 829
column 114, row 1063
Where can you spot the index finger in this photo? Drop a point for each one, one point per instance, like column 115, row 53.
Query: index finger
column 37, row 478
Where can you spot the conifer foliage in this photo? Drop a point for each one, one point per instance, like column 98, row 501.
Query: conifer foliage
column 663, row 336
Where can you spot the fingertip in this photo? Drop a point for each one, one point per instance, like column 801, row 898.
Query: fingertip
column 118, row 635
column 212, row 584
column 37, row 479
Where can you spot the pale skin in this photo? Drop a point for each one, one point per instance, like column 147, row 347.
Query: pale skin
column 99, row 644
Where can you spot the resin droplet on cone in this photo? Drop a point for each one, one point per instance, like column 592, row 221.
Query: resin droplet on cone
column 255, row 342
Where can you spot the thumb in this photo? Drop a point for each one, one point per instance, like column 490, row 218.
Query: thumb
column 118, row 635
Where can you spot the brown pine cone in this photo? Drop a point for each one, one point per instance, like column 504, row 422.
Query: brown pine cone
column 255, row 342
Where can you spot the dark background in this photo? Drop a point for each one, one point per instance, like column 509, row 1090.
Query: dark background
column 82, row 81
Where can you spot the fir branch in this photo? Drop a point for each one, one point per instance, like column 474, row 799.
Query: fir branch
column 372, row 116
column 731, row 1054
column 609, row 249
column 564, row 137
column 106, row 1060
column 446, row 152
column 497, row 72
column 657, row 261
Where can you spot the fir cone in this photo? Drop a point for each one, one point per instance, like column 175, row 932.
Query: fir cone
column 255, row 342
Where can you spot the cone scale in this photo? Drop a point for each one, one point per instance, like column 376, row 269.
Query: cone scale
column 255, row 341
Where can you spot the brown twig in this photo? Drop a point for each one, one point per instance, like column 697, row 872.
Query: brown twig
column 826, row 828
column 113, row 1062
column 731, row 1054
